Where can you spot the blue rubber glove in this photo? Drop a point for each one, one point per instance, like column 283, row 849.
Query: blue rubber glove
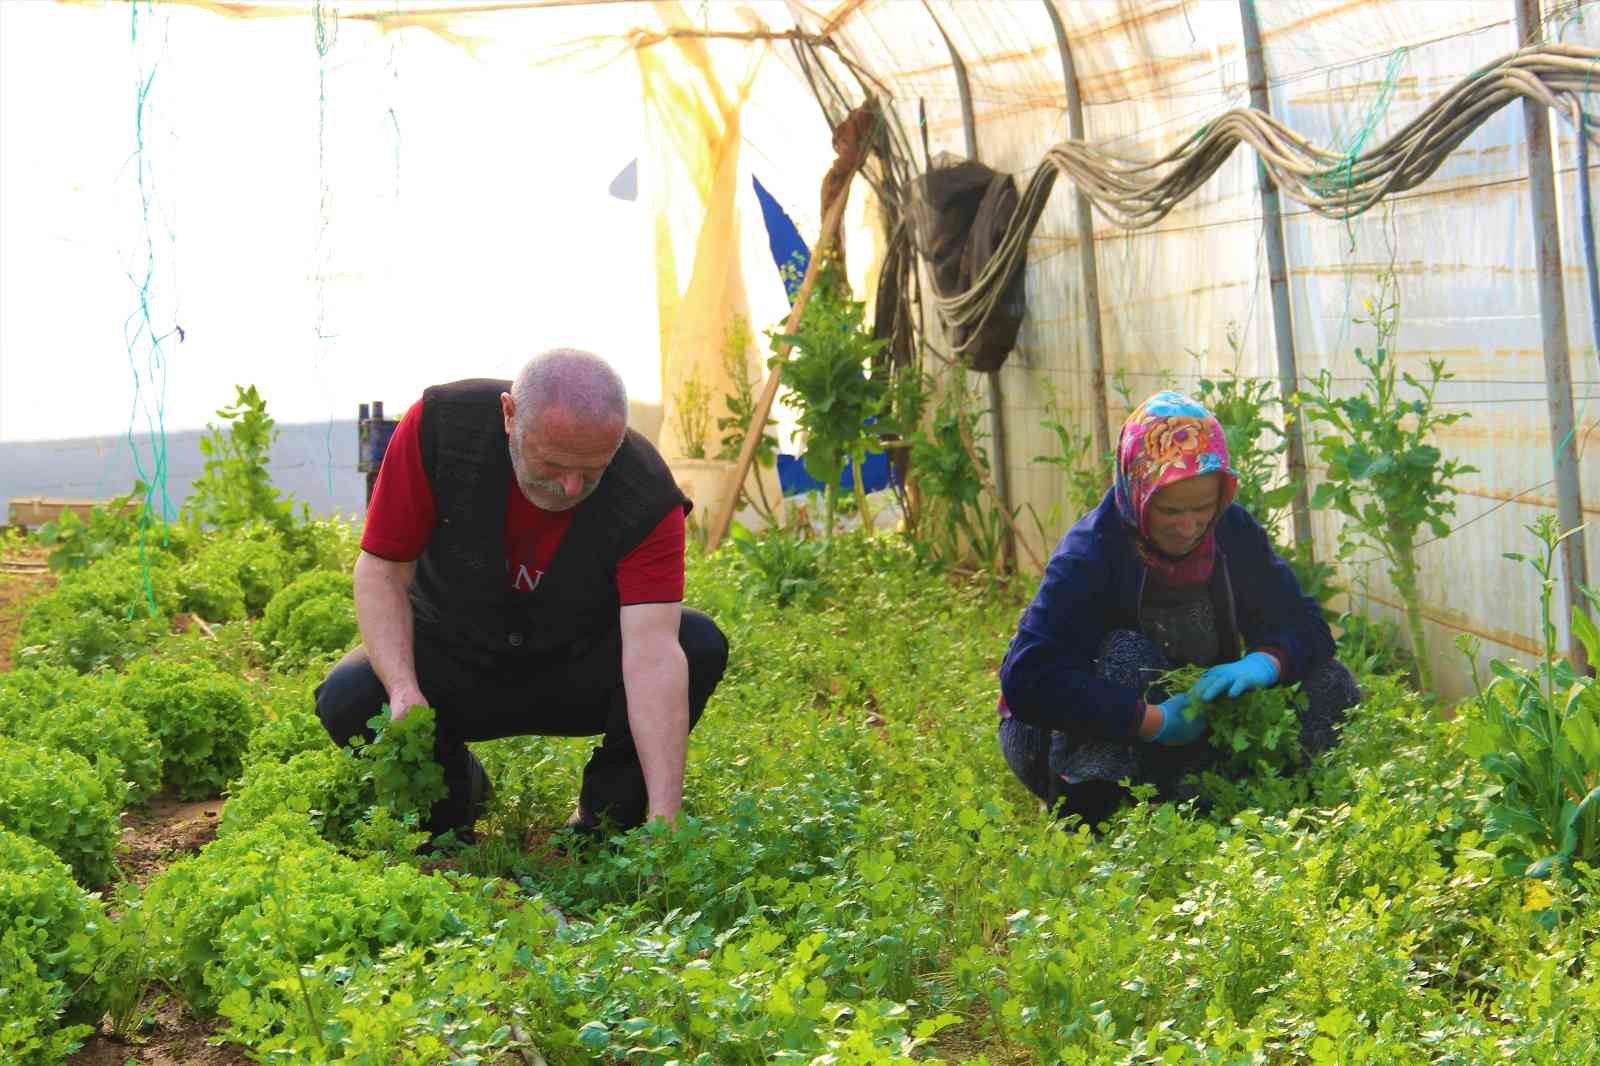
column 1182, row 721
column 1256, row 670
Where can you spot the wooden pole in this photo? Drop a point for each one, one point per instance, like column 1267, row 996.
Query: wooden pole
column 722, row 518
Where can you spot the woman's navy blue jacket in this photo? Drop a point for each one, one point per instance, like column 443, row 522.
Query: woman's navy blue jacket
column 1094, row 584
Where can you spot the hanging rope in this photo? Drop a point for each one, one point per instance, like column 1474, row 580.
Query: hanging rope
column 141, row 336
column 1136, row 194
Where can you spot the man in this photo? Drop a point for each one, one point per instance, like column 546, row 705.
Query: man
column 521, row 572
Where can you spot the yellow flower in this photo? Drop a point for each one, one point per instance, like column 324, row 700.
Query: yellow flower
column 1536, row 898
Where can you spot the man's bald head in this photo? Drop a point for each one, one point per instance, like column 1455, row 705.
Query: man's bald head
column 565, row 418
column 576, row 382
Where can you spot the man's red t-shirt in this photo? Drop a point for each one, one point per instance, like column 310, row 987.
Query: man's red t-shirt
column 401, row 515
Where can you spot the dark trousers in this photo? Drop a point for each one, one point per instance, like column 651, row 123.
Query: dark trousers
column 572, row 694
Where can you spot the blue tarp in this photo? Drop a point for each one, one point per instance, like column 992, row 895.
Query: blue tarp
column 789, row 249
column 794, row 479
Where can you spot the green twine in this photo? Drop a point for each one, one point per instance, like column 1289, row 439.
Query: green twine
column 139, row 327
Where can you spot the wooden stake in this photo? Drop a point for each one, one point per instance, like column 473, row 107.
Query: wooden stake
column 722, row 517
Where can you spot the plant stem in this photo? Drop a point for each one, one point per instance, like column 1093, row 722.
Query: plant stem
column 861, row 495
column 1404, row 576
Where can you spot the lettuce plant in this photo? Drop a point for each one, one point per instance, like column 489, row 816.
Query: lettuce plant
column 103, row 615
column 52, row 936
column 57, row 708
column 315, row 613
column 202, row 718
column 58, row 799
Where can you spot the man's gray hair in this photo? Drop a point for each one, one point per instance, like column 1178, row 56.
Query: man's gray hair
column 574, row 380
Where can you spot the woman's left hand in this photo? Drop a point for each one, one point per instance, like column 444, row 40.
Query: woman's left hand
column 1256, row 670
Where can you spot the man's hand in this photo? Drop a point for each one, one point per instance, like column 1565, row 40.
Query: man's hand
column 1256, row 670
column 401, row 700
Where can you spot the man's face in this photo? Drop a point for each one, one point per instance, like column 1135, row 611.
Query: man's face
column 1178, row 515
column 558, row 464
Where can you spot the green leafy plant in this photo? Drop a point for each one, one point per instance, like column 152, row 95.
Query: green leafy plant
column 232, row 926
column 395, row 779
column 1257, row 734
column 1256, row 444
column 1537, row 733
column 233, row 576
column 785, row 568
column 202, row 718
column 950, row 466
column 236, row 487
column 102, row 615
column 56, row 708
column 75, row 543
column 1256, row 448
column 741, row 406
column 1087, row 475
column 52, row 937
column 1384, row 474
column 314, row 614
column 56, row 798
column 828, row 384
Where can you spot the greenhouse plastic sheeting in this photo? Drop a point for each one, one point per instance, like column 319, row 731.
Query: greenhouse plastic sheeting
column 353, row 200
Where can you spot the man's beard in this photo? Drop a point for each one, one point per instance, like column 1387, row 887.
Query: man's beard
column 547, row 493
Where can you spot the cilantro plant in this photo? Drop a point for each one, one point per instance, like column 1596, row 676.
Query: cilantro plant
column 1537, row 733
column 335, row 789
column 827, row 382
column 1257, row 735
column 1384, row 473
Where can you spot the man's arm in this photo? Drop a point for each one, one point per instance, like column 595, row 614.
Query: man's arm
column 655, row 678
column 383, row 611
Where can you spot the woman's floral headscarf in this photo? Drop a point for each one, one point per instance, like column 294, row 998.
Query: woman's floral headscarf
column 1170, row 438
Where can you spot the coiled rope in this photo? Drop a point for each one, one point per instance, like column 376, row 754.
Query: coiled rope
column 1136, row 194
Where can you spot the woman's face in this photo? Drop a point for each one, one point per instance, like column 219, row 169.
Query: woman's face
column 1178, row 515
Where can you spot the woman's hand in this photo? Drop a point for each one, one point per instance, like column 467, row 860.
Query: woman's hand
column 1182, row 721
column 1256, row 670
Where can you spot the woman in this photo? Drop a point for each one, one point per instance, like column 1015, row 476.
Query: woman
column 1167, row 571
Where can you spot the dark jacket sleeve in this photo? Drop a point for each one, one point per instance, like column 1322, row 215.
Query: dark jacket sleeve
column 1272, row 609
column 1048, row 678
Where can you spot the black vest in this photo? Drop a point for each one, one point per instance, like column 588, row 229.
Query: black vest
column 462, row 595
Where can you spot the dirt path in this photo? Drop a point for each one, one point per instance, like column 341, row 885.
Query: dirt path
column 153, row 839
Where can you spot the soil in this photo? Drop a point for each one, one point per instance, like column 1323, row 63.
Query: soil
column 167, row 831
column 169, row 1037
column 152, row 839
